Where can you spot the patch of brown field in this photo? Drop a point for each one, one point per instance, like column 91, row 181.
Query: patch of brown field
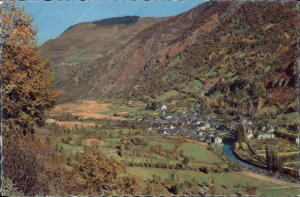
column 73, row 124
column 89, row 109
column 91, row 141
column 91, row 115
column 121, row 113
column 86, row 106
column 173, row 102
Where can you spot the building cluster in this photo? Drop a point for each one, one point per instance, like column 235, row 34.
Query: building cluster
column 190, row 124
column 265, row 132
column 205, row 128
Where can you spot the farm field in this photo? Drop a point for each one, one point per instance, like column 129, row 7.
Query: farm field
column 145, row 153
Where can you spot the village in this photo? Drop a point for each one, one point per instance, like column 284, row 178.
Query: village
column 207, row 129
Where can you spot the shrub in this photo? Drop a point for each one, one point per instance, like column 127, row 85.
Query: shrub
column 22, row 166
column 244, row 146
column 236, row 145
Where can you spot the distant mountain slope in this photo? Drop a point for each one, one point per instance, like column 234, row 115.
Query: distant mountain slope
column 230, row 56
column 154, row 47
column 75, row 50
column 245, row 63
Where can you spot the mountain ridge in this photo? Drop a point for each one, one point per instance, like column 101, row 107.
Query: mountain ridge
column 212, row 54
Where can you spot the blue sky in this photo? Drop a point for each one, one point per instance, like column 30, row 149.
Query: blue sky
column 51, row 18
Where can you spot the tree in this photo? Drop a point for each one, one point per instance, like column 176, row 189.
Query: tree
column 186, row 161
column 27, row 79
column 236, row 145
column 272, row 159
column 251, row 190
column 26, row 84
column 244, row 145
column 241, row 133
column 99, row 175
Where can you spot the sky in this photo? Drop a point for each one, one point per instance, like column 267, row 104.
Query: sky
column 51, row 18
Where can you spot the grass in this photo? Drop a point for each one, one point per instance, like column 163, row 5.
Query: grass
column 167, row 95
column 165, row 173
column 71, row 148
column 165, row 145
column 112, row 140
column 197, row 153
column 200, row 153
column 230, row 179
column 280, row 192
column 288, row 119
column 170, row 75
column 174, row 61
column 287, row 133
column 269, row 110
column 194, row 86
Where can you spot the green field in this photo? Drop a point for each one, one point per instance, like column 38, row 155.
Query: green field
column 230, row 180
column 147, row 154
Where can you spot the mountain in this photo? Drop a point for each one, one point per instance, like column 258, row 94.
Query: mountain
column 232, row 57
column 74, row 52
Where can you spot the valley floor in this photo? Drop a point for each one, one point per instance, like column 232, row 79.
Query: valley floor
column 75, row 127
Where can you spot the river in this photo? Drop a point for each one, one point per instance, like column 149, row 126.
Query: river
column 228, row 151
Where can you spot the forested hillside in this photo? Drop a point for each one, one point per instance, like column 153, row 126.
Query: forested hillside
column 217, row 52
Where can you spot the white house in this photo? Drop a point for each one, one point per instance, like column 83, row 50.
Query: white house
column 218, row 141
column 265, row 135
column 249, row 133
column 297, row 140
column 163, row 107
column 207, row 125
column 50, row 121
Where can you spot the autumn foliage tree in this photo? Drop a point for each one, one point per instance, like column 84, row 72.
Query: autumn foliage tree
column 98, row 174
column 28, row 93
column 27, row 79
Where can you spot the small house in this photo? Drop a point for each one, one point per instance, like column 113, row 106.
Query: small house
column 297, row 140
column 249, row 133
column 207, row 125
column 265, row 135
column 218, row 141
column 50, row 121
column 163, row 107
